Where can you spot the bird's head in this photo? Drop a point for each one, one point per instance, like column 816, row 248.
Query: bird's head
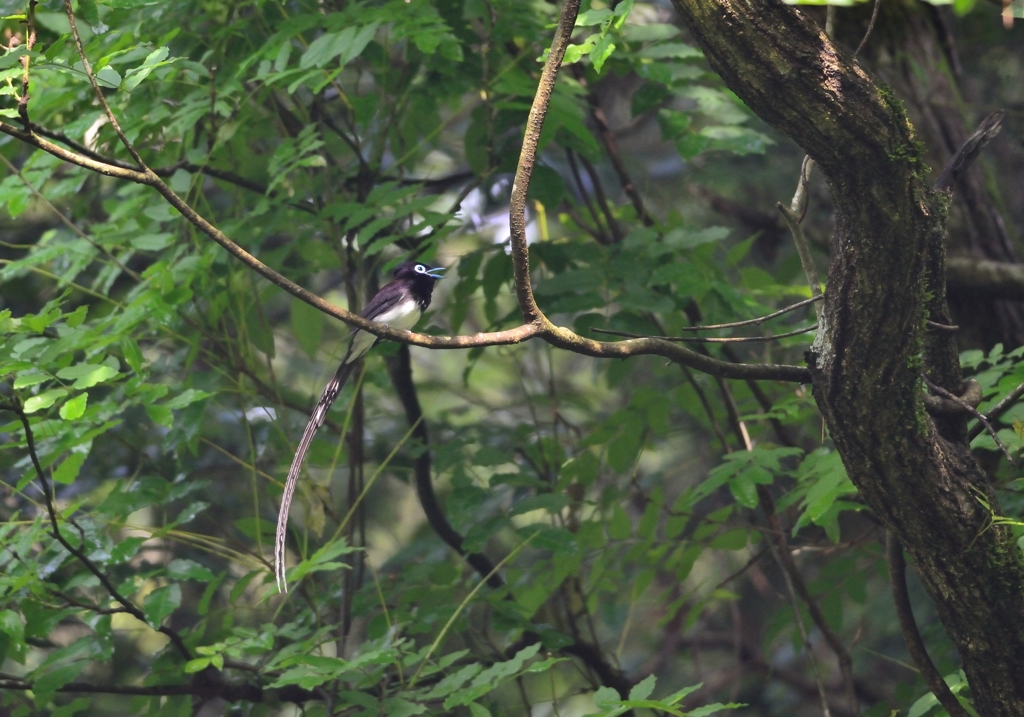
column 417, row 270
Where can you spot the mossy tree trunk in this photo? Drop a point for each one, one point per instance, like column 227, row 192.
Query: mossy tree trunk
column 873, row 350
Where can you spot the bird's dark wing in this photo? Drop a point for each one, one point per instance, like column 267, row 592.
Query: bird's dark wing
column 327, row 399
column 389, row 296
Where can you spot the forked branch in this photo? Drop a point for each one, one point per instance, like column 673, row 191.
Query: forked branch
column 535, row 325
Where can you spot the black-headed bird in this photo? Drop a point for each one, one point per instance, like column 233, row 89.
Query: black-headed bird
column 399, row 304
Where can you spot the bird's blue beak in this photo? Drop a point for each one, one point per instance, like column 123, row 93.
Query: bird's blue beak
column 431, row 272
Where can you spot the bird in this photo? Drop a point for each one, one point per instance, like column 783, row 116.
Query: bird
column 400, row 303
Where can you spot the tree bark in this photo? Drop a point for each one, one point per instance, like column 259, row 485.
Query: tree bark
column 887, row 277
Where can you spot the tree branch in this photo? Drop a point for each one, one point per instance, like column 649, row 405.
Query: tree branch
column 997, row 410
column 969, row 151
column 400, row 370
column 915, row 645
column 795, row 581
column 78, row 553
column 527, row 158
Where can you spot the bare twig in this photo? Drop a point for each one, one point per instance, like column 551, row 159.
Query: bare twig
column 974, row 412
column 575, row 171
column 757, row 321
column 969, row 151
column 794, row 214
column 997, row 410
column 707, row 340
column 941, row 327
column 871, row 27
column 795, row 581
column 791, row 593
column 915, row 645
column 707, row 409
column 400, row 370
column 611, row 147
column 99, row 93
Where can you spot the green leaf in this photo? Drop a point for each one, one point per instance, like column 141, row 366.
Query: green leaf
column 183, row 569
column 197, row 665
column 12, row 637
column 87, row 375
column 132, row 353
column 323, row 559
column 160, row 415
column 160, row 603
column 923, row 705
column 155, row 59
column 643, row 689
column 153, row 242
column 74, row 408
column 108, row 77
column 735, row 539
column 345, row 45
column 308, row 326
column 186, row 398
column 68, row 470
column 43, row 400
column 478, row 710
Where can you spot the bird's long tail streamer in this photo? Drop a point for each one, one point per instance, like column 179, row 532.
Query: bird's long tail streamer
column 327, row 399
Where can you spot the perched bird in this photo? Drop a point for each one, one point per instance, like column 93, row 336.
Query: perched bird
column 399, row 304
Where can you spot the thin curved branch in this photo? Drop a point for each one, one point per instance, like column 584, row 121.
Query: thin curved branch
column 795, row 581
column 400, row 371
column 968, row 408
column 713, row 340
column 759, row 320
column 915, row 645
column 969, row 151
column 527, row 159
column 79, row 553
column 997, row 410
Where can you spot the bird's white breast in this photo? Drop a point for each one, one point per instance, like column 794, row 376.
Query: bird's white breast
column 402, row 317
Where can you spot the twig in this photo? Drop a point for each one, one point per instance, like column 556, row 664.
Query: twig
column 941, row 327
column 611, row 147
column 997, row 410
column 30, row 42
column 749, row 564
column 99, row 93
column 600, row 235
column 400, row 370
column 871, row 26
column 707, row 340
column 908, row 625
column 759, row 320
column 795, row 581
column 791, row 593
column 707, row 409
column 974, row 412
column 79, row 554
column 602, row 201
column 794, row 214
column 969, row 151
